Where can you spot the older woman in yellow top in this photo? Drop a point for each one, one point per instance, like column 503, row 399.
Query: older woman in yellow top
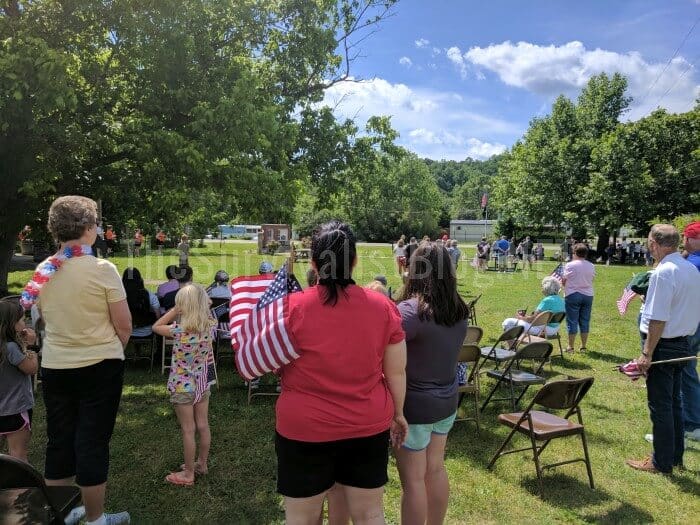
column 87, row 319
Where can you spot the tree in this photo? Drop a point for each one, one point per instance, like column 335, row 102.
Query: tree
column 146, row 104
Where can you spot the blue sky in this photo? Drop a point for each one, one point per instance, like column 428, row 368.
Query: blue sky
column 464, row 77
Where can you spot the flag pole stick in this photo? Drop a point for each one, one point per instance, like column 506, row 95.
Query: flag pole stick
column 668, row 361
column 290, row 260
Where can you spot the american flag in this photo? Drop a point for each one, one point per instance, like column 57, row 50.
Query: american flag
column 624, row 301
column 262, row 343
column 245, row 294
column 558, row 272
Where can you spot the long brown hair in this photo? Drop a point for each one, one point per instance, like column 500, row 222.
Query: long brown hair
column 432, row 280
column 10, row 314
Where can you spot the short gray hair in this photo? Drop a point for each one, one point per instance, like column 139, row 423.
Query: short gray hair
column 665, row 235
column 550, row 286
column 70, row 216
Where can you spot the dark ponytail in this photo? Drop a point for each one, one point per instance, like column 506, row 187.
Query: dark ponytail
column 333, row 251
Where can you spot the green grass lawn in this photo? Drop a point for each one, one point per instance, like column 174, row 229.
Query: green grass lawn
column 240, row 487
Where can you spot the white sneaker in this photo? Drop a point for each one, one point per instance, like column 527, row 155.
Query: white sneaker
column 694, row 435
column 120, row 518
column 75, row 515
column 649, row 437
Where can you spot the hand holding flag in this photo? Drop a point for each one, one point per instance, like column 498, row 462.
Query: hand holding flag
column 262, row 340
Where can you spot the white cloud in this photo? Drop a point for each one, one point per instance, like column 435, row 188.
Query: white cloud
column 422, row 42
column 405, row 61
column 454, row 55
column 434, row 124
column 551, row 70
column 437, row 50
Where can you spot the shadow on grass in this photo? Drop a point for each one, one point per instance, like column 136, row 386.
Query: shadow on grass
column 568, row 492
column 609, row 358
column 687, row 484
column 605, row 408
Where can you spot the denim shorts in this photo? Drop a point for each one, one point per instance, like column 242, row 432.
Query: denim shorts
column 419, row 434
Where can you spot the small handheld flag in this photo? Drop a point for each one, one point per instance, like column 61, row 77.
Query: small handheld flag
column 262, row 340
column 558, row 273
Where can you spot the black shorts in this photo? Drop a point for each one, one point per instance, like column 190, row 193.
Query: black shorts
column 13, row 423
column 81, row 408
column 307, row 469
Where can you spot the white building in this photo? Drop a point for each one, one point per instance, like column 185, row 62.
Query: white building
column 469, row 230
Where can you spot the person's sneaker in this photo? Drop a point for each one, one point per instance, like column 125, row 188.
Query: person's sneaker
column 694, row 435
column 75, row 515
column 649, row 437
column 645, row 465
column 118, row 518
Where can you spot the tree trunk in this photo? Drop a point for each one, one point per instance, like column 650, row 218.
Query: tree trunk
column 7, row 250
column 603, row 241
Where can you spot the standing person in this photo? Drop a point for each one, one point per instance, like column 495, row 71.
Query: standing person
column 539, row 252
column 455, row 253
column 343, row 388
column 400, row 256
column 84, row 308
column 183, row 250
column 100, row 246
column 670, row 314
column 528, row 251
column 512, row 250
column 17, row 366
column 578, row 295
column 138, row 241
column 187, row 383
column 623, row 250
column 501, row 248
column 483, row 251
column 435, row 322
column 110, row 240
column 160, row 241
column 690, row 390
column 410, row 249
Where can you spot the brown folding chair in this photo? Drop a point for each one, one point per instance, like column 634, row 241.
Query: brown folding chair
column 538, row 327
column 514, row 377
column 470, row 354
column 496, row 353
column 556, row 318
column 25, row 495
column 474, row 335
column 543, row 426
column 258, row 391
column 471, row 319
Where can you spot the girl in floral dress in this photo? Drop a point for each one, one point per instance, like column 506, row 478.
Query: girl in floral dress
column 188, row 382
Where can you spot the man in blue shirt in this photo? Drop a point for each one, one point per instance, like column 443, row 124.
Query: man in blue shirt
column 690, row 388
column 502, row 246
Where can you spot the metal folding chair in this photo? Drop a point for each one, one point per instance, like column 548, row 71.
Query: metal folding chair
column 543, row 426
column 497, row 354
column 470, row 354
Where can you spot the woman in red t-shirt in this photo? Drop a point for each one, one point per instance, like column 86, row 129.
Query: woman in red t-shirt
column 342, row 398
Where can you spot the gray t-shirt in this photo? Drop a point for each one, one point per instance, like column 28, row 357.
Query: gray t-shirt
column 15, row 386
column 431, row 382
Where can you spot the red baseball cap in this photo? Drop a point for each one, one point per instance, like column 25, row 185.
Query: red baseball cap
column 692, row 231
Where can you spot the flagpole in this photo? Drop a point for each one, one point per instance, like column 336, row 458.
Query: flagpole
column 667, row 361
column 290, row 260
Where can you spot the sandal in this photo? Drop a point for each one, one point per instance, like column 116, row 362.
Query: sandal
column 175, row 478
column 583, row 349
column 569, row 350
column 197, row 469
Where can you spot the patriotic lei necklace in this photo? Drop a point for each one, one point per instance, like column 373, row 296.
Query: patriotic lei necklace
column 46, row 270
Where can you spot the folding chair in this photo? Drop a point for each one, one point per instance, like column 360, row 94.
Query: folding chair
column 499, row 355
column 514, row 377
column 166, row 342
column 556, row 318
column 223, row 334
column 148, row 341
column 471, row 319
column 538, row 327
column 474, row 335
column 259, row 392
column 25, row 496
column 470, row 353
column 542, row 426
